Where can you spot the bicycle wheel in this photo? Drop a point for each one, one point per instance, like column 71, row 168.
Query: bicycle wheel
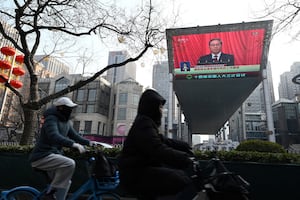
column 104, row 196
column 22, row 194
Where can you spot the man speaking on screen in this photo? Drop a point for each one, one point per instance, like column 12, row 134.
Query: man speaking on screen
column 216, row 56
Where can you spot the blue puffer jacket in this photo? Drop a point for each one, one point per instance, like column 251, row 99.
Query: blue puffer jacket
column 56, row 133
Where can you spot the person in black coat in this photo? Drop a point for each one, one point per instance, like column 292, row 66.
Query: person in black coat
column 216, row 56
column 150, row 164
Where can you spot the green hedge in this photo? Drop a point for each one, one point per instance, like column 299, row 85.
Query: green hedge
column 248, row 156
column 241, row 156
column 68, row 151
column 15, row 149
column 260, row 146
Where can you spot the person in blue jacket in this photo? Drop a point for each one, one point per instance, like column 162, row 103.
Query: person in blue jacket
column 56, row 133
column 151, row 164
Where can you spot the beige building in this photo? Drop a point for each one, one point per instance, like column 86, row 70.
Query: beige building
column 127, row 94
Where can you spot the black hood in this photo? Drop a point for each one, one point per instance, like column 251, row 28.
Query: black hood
column 149, row 105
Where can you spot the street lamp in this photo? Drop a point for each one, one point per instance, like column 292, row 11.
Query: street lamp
column 10, row 70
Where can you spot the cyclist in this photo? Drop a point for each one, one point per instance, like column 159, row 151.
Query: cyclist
column 151, row 164
column 47, row 155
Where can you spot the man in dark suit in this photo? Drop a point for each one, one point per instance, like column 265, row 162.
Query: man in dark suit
column 216, row 56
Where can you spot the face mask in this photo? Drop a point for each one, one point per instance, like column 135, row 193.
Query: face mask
column 66, row 112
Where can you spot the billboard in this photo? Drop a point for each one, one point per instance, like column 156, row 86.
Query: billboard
column 227, row 51
column 215, row 69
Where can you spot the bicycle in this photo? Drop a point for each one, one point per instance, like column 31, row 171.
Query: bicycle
column 96, row 188
column 213, row 181
column 216, row 182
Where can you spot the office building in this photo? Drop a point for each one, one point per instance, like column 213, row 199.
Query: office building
column 91, row 114
column 52, row 66
column 286, row 122
column 118, row 74
column 250, row 120
column 162, row 82
column 287, row 89
column 124, row 89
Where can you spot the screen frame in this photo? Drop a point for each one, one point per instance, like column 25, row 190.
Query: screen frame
column 265, row 25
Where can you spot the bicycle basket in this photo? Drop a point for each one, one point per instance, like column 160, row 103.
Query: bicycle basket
column 103, row 167
column 222, row 183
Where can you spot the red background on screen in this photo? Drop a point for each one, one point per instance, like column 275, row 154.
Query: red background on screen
column 245, row 45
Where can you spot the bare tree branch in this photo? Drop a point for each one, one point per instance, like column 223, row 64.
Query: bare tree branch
column 33, row 19
column 37, row 105
column 285, row 14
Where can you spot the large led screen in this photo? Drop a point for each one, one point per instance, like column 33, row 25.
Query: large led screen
column 218, row 52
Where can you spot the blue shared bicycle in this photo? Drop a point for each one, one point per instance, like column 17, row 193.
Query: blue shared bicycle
column 94, row 188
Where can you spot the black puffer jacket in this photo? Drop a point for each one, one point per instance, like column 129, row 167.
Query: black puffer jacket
column 144, row 147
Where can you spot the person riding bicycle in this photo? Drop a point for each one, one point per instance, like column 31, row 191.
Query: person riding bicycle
column 150, row 164
column 47, row 155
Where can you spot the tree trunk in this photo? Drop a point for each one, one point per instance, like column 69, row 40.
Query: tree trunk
column 30, row 126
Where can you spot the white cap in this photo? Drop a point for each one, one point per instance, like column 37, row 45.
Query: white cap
column 64, row 101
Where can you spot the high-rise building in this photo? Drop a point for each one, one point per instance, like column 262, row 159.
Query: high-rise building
column 162, row 82
column 161, row 79
column 250, row 120
column 53, row 66
column 287, row 89
column 124, row 89
column 118, row 74
column 270, row 82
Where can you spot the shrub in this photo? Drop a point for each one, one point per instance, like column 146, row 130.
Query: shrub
column 248, row 156
column 260, row 146
column 15, row 149
column 240, row 156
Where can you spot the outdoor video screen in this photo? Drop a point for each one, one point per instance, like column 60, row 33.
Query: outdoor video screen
column 217, row 52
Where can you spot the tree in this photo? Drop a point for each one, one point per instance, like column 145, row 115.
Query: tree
column 33, row 19
column 285, row 14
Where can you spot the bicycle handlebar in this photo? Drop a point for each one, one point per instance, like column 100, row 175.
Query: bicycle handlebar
column 104, row 145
